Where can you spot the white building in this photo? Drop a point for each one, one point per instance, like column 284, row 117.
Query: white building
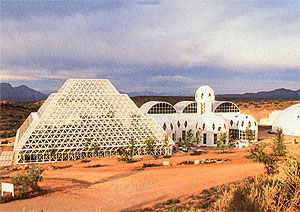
column 206, row 115
column 288, row 120
column 271, row 119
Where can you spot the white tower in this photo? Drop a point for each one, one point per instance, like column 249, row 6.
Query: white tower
column 205, row 97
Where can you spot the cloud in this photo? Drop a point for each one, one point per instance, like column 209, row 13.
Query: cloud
column 174, row 78
column 150, row 44
column 177, row 34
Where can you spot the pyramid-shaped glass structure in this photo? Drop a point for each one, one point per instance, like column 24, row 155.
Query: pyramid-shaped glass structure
column 83, row 113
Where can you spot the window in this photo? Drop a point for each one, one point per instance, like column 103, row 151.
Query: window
column 203, row 126
column 185, row 124
column 233, row 135
column 227, row 107
column 164, row 126
column 204, row 138
column 174, row 136
column 161, row 108
column 215, row 138
column 231, row 123
column 183, row 135
column 171, row 126
column 242, row 135
column 178, row 124
column 191, row 108
column 213, row 126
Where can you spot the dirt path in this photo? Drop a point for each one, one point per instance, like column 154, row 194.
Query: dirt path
column 120, row 186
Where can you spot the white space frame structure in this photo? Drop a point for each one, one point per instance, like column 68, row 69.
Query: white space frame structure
column 82, row 113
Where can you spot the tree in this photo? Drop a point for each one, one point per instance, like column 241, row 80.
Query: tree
column 90, row 146
column 222, row 140
column 132, row 148
column 268, row 159
column 250, row 135
column 128, row 152
column 198, row 137
column 278, row 147
column 150, row 146
column 123, row 153
column 187, row 140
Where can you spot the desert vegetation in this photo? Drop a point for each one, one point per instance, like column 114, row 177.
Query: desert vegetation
column 25, row 184
column 278, row 189
column 13, row 115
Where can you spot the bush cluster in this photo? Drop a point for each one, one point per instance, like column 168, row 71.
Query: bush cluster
column 28, row 180
column 280, row 192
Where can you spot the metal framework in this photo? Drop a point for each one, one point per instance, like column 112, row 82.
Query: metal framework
column 83, row 114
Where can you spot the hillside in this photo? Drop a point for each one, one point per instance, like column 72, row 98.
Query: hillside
column 19, row 94
column 281, row 93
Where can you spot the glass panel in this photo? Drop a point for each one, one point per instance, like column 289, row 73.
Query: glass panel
column 227, row 107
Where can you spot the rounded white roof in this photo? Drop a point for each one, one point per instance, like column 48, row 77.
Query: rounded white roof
column 180, row 106
column 148, row 105
column 246, row 121
column 288, row 120
column 205, row 94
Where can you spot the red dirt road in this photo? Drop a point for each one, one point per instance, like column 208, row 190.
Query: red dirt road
column 119, row 186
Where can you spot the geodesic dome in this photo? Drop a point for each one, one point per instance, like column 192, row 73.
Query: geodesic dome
column 82, row 113
column 288, row 120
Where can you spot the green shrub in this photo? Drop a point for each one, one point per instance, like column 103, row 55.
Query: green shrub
column 278, row 147
column 28, row 179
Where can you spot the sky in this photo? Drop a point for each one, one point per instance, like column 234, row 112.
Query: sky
column 167, row 47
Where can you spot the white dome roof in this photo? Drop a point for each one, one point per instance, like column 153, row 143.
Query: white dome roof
column 212, row 123
column 288, row 120
column 205, row 94
column 246, row 121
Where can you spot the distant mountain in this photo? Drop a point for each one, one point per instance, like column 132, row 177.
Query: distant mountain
column 281, row 93
column 19, row 94
column 144, row 93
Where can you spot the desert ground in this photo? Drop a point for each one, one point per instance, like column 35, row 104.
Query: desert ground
column 119, row 186
column 109, row 184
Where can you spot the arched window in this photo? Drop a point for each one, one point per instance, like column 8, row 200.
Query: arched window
column 178, row 124
column 227, row 107
column 162, row 108
column 231, row 123
column 213, row 126
column 190, row 108
column 203, row 126
column 242, row 123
